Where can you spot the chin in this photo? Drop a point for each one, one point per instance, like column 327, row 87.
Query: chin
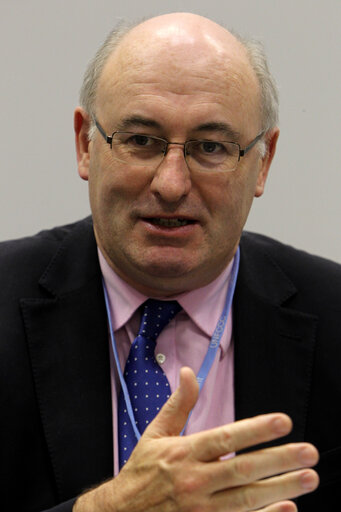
column 164, row 269
column 164, row 261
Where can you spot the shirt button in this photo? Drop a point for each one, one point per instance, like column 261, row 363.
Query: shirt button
column 161, row 358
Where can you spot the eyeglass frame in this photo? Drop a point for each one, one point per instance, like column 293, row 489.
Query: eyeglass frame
column 242, row 151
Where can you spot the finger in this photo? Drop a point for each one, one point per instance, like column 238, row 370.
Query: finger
column 282, row 506
column 173, row 416
column 250, row 467
column 215, row 443
column 266, row 492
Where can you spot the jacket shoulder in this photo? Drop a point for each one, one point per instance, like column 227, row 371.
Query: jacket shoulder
column 22, row 261
column 315, row 277
column 287, row 254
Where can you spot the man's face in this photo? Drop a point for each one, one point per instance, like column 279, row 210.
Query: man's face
column 192, row 90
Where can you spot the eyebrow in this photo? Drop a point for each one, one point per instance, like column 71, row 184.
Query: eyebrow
column 139, row 121
column 224, row 128
column 132, row 121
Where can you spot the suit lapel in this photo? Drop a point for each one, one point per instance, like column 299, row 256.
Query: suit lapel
column 68, row 346
column 274, row 344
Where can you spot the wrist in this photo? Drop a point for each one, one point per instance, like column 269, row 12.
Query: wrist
column 98, row 499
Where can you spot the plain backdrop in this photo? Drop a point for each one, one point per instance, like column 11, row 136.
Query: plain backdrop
column 45, row 46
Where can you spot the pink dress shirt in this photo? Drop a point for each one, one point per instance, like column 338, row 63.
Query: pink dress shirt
column 183, row 342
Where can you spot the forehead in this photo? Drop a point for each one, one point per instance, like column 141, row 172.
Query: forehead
column 173, row 71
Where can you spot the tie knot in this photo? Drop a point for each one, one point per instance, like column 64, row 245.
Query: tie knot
column 156, row 315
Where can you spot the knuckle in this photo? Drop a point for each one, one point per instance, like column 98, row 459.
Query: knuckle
column 243, row 469
column 226, row 439
column 178, row 452
column 249, row 498
column 189, row 494
column 172, row 402
column 182, row 481
column 171, row 451
column 242, row 499
column 190, row 485
column 186, row 485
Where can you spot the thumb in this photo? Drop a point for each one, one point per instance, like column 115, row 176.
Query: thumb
column 173, row 416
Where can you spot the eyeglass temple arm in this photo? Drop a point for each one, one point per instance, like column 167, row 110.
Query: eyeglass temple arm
column 243, row 152
column 106, row 137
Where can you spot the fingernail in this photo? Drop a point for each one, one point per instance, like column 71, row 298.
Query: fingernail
column 280, row 426
column 307, row 455
column 308, row 480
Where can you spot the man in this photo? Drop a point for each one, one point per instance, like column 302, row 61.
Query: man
column 175, row 135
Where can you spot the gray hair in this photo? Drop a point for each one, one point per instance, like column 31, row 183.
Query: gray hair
column 269, row 92
column 255, row 52
column 87, row 95
column 268, row 88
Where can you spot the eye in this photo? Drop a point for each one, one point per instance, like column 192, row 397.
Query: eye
column 140, row 140
column 211, row 147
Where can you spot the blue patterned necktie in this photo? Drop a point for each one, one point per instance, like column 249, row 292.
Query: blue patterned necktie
column 147, row 384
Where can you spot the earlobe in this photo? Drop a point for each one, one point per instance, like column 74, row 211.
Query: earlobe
column 271, row 142
column 81, row 127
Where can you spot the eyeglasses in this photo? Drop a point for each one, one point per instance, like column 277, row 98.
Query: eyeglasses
column 200, row 155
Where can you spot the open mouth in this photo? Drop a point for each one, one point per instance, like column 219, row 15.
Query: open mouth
column 170, row 223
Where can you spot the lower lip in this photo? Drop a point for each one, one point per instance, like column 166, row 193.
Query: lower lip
column 176, row 231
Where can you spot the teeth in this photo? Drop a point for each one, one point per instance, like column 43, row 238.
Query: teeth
column 170, row 222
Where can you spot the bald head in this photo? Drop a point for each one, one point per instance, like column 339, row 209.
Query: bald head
column 184, row 29
column 184, row 38
column 189, row 40
column 175, row 49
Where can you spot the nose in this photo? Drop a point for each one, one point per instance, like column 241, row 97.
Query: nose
column 172, row 180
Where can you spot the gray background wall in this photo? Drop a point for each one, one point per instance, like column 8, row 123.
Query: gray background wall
column 45, row 46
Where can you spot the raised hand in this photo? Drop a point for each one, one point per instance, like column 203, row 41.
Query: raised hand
column 167, row 472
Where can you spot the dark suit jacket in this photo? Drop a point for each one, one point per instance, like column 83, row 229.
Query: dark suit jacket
column 56, row 427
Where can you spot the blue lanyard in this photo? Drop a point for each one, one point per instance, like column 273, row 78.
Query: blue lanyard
column 211, row 351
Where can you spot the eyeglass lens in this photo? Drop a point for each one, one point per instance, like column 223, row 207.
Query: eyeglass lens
column 139, row 149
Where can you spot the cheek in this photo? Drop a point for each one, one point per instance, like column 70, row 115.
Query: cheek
column 114, row 191
column 105, row 184
column 107, row 181
column 221, row 194
column 230, row 202
column 245, row 194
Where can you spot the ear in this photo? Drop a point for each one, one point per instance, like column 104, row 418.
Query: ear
column 271, row 138
column 81, row 126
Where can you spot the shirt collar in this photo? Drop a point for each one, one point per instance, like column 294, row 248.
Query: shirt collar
column 203, row 305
